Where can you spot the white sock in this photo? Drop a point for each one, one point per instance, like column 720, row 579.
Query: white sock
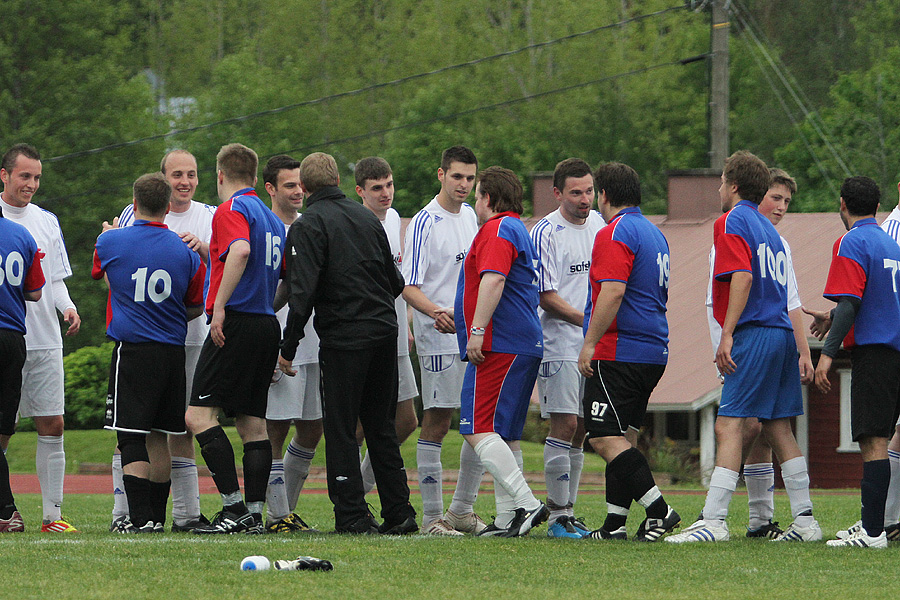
column 468, row 481
column 722, row 484
column 796, row 482
column 557, row 467
column 120, row 501
column 296, row 470
column 428, row 463
column 892, row 506
column 368, row 475
column 50, row 460
column 576, row 460
column 501, row 462
column 276, row 493
column 185, row 490
column 760, row 480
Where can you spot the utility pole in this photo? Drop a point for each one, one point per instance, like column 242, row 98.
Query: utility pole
column 718, row 102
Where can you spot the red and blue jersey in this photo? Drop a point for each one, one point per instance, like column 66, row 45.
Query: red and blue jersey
column 746, row 241
column 633, row 251
column 20, row 272
column 864, row 265
column 503, row 246
column 152, row 276
column 245, row 217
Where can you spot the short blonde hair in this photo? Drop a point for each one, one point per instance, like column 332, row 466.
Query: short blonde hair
column 317, row 171
column 238, row 162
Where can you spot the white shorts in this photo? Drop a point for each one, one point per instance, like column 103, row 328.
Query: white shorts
column 560, row 388
column 191, row 355
column 407, row 379
column 442, row 379
column 295, row 398
column 43, row 387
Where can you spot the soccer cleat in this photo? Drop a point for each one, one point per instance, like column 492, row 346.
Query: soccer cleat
column 127, row 527
column 580, row 527
column 14, row 524
column 300, row 524
column 117, row 524
column 524, row 520
column 58, row 526
column 770, row 530
column 190, row 525
column 701, row 531
column 227, row 522
column 563, row 528
column 846, row 533
column 859, row 539
column 468, row 523
column 364, row 525
column 602, row 534
column 440, row 527
column 892, row 532
column 407, row 526
column 653, row 529
column 796, row 533
column 492, row 530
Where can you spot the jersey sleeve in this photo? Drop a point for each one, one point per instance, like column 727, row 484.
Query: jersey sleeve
column 614, row 258
column 97, row 270
column 548, row 275
column 793, row 290
column 126, row 217
column 194, row 296
column 34, row 278
column 846, row 277
column 230, row 226
column 415, row 257
column 60, row 268
column 496, row 254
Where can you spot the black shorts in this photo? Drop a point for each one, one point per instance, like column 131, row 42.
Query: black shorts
column 874, row 391
column 236, row 377
column 615, row 398
column 12, row 359
column 146, row 388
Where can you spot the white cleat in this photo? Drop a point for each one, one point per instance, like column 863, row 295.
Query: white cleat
column 701, row 531
column 860, row 539
column 440, row 527
column 845, row 533
column 470, row 523
column 796, row 533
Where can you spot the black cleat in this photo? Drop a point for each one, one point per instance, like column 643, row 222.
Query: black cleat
column 525, row 520
column 604, row 534
column 227, row 522
column 770, row 530
column 653, row 529
column 406, row 527
column 364, row 525
column 190, row 525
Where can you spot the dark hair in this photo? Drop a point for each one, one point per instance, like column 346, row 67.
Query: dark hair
column 749, row 173
column 9, row 159
column 458, row 154
column 275, row 165
column 503, row 188
column 620, row 182
column 781, row 177
column 318, row 171
column 165, row 158
column 152, row 193
column 238, row 162
column 861, row 195
column 571, row 167
column 371, row 167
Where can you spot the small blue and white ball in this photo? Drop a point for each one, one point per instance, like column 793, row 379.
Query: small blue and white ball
column 255, row 563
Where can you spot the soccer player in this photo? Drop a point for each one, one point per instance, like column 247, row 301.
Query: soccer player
column 625, row 350
column 43, row 390
column 340, row 264
column 192, row 221
column 757, row 354
column 291, row 399
column 759, row 472
column 863, row 280
column 235, row 364
column 375, row 186
column 437, row 240
column 20, row 261
column 155, row 286
column 499, row 333
column 563, row 240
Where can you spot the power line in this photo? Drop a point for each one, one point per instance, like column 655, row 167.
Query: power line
column 361, row 90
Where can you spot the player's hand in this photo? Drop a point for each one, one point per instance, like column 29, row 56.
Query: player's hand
column 192, row 241
column 71, row 317
column 822, row 374
column 724, row 362
column 216, row 331
column 473, row 349
column 443, row 320
column 106, row 225
column 284, row 365
column 821, row 322
column 584, row 361
column 807, row 372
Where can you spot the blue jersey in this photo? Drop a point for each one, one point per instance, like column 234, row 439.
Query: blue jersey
column 503, row 246
column 747, row 241
column 864, row 265
column 20, row 272
column 633, row 251
column 152, row 276
column 245, row 217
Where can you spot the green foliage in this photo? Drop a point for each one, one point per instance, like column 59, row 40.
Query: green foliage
column 87, row 376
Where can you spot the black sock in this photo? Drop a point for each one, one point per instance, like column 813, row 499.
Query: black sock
column 219, row 457
column 617, row 495
column 7, row 502
column 639, row 480
column 159, row 497
column 140, row 503
column 257, row 466
column 873, row 489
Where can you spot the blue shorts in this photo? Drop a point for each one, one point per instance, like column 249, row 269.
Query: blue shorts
column 496, row 393
column 766, row 383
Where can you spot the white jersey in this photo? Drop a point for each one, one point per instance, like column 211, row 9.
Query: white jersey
column 41, row 323
column 308, row 349
column 436, row 244
column 565, row 253
column 793, row 295
column 891, row 225
column 391, row 226
column 197, row 219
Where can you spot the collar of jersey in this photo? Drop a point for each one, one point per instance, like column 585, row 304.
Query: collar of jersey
column 748, row 204
column 150, row 223
column 866, row 221
column 508, row 213
column 244, row 192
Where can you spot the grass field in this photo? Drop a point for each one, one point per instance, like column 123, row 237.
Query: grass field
column 97, row 564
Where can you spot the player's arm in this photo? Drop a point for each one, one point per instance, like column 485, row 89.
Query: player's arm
column 66, row 307
column 489, row 292
column 32, row 288
column 443, row 316
column 235, row 264
column 609, row 299
column 554, row 304
column 281, row 296
column 306, row 240
column 806, row 366
column 196, row 244
column 739, row 292
column 844, row 316
column 821, row 321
